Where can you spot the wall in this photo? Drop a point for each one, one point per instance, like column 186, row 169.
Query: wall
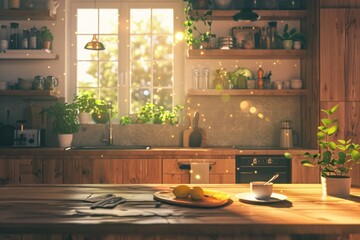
column 226, row 134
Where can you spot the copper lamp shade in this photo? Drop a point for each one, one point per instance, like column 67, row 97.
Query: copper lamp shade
column 94, row 44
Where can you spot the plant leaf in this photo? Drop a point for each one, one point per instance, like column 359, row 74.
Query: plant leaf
column 307, row 163
column 355, row 154
column 320, row 135
column 327, row 121
column 332, row 145
column 332, row 130
column 341, row 141
column 334, row 109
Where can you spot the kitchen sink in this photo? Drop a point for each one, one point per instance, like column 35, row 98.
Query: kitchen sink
column 104, row 147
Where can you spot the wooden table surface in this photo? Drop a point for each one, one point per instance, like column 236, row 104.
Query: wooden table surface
column 60, row 208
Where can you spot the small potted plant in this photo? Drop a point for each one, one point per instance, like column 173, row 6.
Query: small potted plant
column 65, row 122
column 46, row 36
column 336, row 158
column 101, row 114
column 288, row 37
column 85, row 102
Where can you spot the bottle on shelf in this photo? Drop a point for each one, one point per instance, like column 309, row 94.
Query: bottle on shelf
column 260, row 82
column 196, row 78
column 272, row 35
column 206, row 78
column 4, row 42
column 33, row 38
column 14, row 36
column 25, row 39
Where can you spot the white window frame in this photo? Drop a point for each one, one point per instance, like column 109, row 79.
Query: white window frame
column 123, row 46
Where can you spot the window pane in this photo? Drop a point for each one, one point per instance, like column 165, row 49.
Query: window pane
column 111, row 51
column 83, row 54
column 108, row 74
column 140, row 21
column 163, row 74
column 109, row 20
column 139, row 97
column 87, row 21
column 160, row 25
column 109, row 95
column 163, row 97
column 87, row 74
column 141, row 74
column 140, row 47
column 163, row 47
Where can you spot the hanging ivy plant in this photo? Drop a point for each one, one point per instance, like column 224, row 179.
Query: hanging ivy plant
column 193, row 36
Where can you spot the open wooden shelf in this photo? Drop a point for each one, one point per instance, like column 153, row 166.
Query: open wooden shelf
column 264, row 14
column 30, row 94
column 26, row 15
column 247, row 92
column 28, row 54
column 245, row 54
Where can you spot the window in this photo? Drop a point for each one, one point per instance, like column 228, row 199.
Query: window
column 142, row 61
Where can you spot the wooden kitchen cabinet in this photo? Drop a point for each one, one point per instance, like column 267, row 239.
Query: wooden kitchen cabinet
column 141, row 170
column 52, row 170
column 28, row 171
column 6, row 171
column 92, row 171
column 301, row 174
column 221, row 170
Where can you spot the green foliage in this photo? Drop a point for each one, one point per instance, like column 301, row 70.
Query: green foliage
column 293, row 34
column 64, row 117
column 46, row 34
column 153, row 114
column 101, row 110
column 193, row 35
column 338, row 156
column 85, row 101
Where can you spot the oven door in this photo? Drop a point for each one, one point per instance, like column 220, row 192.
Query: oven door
column 262, row 168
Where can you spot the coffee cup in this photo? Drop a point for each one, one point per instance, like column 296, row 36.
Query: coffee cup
column 260, row 190
column 38, row 83
column 50, row 82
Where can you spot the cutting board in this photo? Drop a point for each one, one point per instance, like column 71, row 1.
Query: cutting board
column 211, row 199
column 187, row 132
column 195, row 136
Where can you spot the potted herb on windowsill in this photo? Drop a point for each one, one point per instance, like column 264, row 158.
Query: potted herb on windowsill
column 194, row 37
column 85, row 102
column 336, row 159
column 65, row 122
column 288, row 37
column 46, row 37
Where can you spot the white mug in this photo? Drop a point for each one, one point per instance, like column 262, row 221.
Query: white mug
column 52, row 6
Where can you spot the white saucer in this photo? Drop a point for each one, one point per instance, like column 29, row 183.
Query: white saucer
column 275, row 197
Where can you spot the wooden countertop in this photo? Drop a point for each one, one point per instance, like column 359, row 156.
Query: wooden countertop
column 155, row 152
column 55, row 209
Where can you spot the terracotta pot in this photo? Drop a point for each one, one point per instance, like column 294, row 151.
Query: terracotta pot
column 336, row 186
column 46, row 44
column 65, row 140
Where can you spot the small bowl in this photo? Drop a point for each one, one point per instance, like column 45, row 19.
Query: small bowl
column 260, row 190
column 296, row 84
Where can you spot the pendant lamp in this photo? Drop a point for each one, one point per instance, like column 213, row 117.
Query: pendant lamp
column 95, row 44
column 246, row 15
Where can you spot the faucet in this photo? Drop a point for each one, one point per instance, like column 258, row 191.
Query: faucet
column 110, row 139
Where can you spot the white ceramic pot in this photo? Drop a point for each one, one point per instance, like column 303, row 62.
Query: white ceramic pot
column 65, row 140
column 338, row 187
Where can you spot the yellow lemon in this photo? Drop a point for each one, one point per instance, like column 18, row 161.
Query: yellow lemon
column 181, row 191
column 196, row 193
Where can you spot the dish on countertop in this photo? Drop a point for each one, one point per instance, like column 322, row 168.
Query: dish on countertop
column 211, row 199
column 249, row 197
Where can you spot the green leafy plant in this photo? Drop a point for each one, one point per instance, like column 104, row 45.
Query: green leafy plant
column 337, row 157
column 153, row 114
column 85, row 101
column 46, row 34
column 193, row 36
column 293, row 34
column 64, row 117
column 100, row 113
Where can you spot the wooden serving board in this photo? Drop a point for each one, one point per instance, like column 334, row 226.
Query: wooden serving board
column 211, row 199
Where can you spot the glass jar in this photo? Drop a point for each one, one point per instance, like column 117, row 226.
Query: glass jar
column 14, row 4
column 4, row 42
column 265, row 38
column 272, row 35
column 25, row 39
column 33, row 38
column 14, row 36
column 221, row 80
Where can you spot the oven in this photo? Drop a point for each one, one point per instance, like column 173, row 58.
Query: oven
column 262, row 168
